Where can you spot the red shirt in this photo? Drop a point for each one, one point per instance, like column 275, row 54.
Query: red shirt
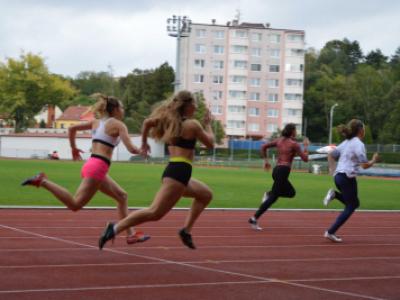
column 287, row 150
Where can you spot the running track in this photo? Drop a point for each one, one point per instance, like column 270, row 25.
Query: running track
column 53, row 254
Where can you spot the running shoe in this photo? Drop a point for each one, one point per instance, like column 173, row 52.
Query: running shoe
column 138, row 237
column 108, row 234
column 332, row 237
column 330, row 195
column 35, row 180
column 186, row 238
column 254, row 224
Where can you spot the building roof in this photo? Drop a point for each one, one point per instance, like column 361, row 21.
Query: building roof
column 77, row 113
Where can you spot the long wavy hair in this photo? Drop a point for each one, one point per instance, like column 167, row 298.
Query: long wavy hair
column 350, row 130
column 169, row 116
column 105, row 105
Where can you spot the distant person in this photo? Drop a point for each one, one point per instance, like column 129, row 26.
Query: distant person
column 106, row 134
column 287, row 149
column 54, row 155
column 173, row 123
column 350, row 155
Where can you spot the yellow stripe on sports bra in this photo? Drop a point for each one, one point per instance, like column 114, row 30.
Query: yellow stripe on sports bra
column 180, row 159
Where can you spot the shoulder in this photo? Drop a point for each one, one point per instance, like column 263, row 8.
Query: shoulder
column 191, row 124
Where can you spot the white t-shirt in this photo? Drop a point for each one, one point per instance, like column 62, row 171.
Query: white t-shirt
column 351, row 154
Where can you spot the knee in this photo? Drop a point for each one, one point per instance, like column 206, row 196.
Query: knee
column 292, row 194
column 207, row 197
column 155, row 214
column 123, row 197
column 75, row 207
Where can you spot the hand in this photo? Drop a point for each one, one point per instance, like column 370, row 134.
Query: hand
column 375, row 157
column 145, row 150
column 267, row 165
column 207, row 118
column 76, row 153
column 306, row 142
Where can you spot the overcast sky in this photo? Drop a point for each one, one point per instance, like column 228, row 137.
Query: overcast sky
column 90, row 35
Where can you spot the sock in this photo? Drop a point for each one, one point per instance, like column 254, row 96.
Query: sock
column 115, row 229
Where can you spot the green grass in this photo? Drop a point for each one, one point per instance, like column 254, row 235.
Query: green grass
column 231, row 187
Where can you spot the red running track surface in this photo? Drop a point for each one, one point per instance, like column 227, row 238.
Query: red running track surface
column 53, row 254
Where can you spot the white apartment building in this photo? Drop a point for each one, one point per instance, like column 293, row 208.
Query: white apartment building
column 251, row 75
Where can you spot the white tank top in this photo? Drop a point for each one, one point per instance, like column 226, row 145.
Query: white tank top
column 99, row 135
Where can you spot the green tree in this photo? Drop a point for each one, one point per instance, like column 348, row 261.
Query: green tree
column 376, row 59
column 26, row 85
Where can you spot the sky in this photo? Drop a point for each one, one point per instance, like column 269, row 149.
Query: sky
column 121, row 35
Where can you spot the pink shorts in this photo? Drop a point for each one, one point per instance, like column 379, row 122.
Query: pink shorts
column 95, row 168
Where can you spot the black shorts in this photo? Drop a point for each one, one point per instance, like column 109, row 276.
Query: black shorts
column 180, row 171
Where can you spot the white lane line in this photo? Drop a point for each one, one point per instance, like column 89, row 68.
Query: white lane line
column 346, row 278
column 209, row 227
column 327, row 244
column 255, row 236
column 206, row 262
column 260, row 278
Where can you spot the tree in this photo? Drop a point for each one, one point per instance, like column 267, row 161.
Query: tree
column 376, row 59
column 96, row 82
column 26, row 85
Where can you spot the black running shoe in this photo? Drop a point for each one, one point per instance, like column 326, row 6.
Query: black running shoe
column 186, row 238
column 108, row 234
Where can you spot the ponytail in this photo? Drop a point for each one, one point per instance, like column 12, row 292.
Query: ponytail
column 350, row 130
column 105, row 105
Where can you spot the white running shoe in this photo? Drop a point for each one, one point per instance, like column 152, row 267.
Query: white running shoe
column 332, row 237
column 330, row 195
column 254, row 224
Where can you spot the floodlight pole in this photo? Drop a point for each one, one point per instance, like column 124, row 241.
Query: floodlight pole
column 331, row 121
column 178, row 27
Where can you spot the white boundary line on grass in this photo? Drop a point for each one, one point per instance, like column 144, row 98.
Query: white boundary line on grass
column 185, row 208
column 260, row 278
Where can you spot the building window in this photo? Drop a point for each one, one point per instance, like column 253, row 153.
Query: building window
column 294, row 67
column 216, row 109
column 238, row 49
column 254, row 127
column 273, row 97
column 236, row 109
column 198, row 78
column 238, row 79
column 241, row 34
column 218, row 64
column 272, row 128
column 218, row 79
column 295, row 38
column 199, row 63
column 275, row 38
column 219, row 34
column 62, row 125
column 240, row 64
column 256, row 52
column 291, row 97
column 273, row 83
column 254, row 111
column 237, row 94
column 200, row 48
column 235, row 124
column 255, row 81
column 200, row 33
column 276, row 53
column 255, row 67
column 272, row 113
column 218, row 49
column 293, row 112
column 217, row 95
column 255, row 96
column 274, row 68
column 295, row 52
column 294, row 82
column 256, row 37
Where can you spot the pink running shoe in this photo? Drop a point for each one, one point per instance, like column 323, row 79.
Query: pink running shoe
column 35, row 180
column 138, row 237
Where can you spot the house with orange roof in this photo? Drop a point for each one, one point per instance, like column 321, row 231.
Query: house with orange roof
column 74, row 115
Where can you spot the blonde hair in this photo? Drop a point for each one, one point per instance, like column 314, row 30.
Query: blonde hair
column 351, row 129
column 105, row 105
column 169, row 116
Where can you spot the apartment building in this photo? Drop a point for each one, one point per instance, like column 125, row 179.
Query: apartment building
column 251, row 75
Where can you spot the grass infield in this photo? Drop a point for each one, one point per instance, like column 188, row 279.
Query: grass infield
column 233, row 188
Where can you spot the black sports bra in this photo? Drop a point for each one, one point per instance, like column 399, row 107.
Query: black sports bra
column 184, row 143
